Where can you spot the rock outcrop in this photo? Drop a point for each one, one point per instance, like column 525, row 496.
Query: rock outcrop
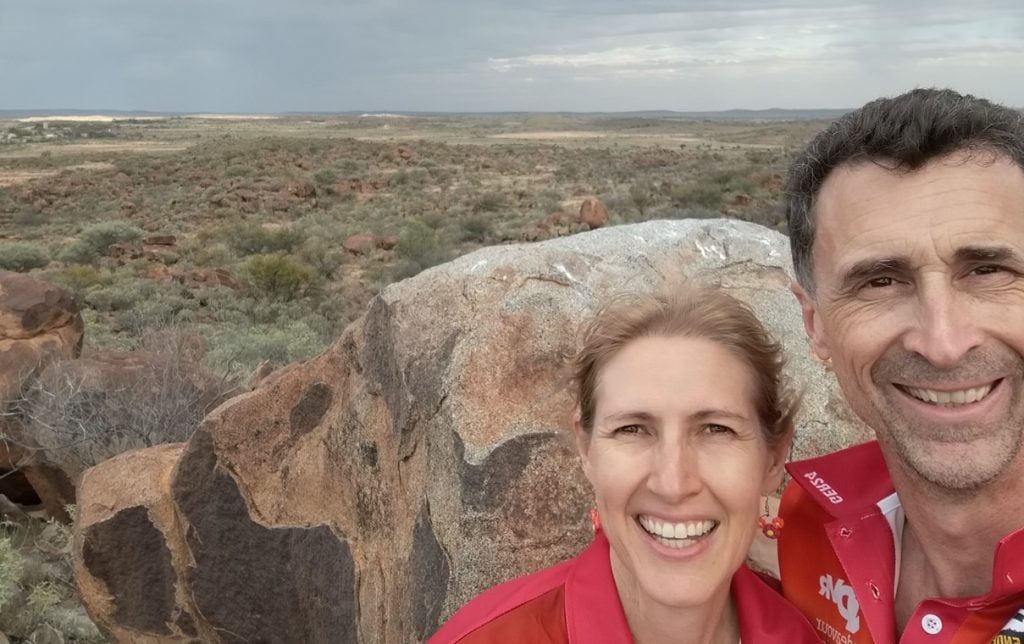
column 366, row 494
column 40, row 324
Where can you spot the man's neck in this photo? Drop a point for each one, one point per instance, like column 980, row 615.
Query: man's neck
column 950, row 538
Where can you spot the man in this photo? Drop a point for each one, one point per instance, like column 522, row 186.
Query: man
column 907, row 229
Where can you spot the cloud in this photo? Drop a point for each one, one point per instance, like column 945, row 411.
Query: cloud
column 467, row 55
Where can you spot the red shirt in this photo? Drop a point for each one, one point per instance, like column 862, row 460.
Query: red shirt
column 837, row 557
column 576, row 602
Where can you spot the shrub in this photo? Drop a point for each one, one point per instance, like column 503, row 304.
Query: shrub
column 419, row 248
column 325, row 176
column 245, row 347
column 642, row 197
column 252, row 239
column 95, row 239
column 29, row 218
column 279, row 276
column 323, row 255
column 488, row 202
column 476, row 228
column 80, row 278
column 701, row 195
column 81, row 414
column 237, row 170
column 22, row 257
column 35, row 582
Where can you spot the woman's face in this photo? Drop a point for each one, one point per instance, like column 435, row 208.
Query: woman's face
column 678, row 462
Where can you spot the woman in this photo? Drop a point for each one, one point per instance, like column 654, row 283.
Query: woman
column 682, row 424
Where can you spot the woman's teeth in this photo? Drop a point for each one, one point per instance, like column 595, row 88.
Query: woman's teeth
column 676, row 535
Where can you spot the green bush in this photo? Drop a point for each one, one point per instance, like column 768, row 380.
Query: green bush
column 279, row 276
column 29, row 218
column 243, row 348
column 11, row 566
column 419, row 247
column 642, row 197
column 476, row 228
column 95, row 239
column 22, row 256
column 253, row 239
column 701, row 195
column 488, row 202
column 80, row 278
column 325, row 176
column 35, row 583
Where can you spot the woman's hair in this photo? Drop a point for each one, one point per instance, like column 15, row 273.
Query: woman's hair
column 692, row 312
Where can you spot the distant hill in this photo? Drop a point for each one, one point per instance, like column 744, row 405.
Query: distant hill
column 773, row 114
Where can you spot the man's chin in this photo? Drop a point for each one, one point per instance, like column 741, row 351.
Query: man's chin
column 957, row 467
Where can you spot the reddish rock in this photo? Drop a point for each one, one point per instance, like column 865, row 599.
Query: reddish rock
column 211, row 277
column 358, row 186
column 359, row 244
column 160, row 240
column 39, row 324
column 387, row 242
column 301, row 189
column 247, row 196
column 740, row 200
column 162, row 254
column 593, row 213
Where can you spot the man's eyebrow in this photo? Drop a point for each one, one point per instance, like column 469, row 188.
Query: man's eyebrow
column 872, row 267
column 988, row 254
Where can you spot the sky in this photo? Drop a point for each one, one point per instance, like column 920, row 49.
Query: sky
column 271, row 56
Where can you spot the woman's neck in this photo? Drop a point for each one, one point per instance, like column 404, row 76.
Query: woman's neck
column 716, row 622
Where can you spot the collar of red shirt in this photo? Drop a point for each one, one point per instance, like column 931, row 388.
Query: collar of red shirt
column 850, row 482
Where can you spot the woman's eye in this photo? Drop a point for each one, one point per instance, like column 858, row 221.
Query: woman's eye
column 714, row 428
column 629, row 429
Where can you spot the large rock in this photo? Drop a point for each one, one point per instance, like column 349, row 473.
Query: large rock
column 39, row 324
column 365, row 495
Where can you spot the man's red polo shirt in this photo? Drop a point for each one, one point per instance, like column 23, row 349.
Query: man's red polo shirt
column 837, row 558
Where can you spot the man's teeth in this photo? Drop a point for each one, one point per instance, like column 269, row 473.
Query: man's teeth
column 961, row 397
column 685, row 530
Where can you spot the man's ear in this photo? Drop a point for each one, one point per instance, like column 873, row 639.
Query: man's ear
column 812, row 322
column 582, row 440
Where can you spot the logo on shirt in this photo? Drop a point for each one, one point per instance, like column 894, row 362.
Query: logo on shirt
column 820, row 485
column 839, row 593
column 1013, row 632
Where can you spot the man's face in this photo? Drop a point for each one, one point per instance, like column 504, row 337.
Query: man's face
column 919, row 303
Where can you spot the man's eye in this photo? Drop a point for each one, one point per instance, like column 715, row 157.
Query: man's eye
column 629, row 429
column 881, row 282
column 987, row 269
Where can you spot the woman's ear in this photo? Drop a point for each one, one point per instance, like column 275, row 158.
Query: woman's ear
column 582, row 440
column 778, row 454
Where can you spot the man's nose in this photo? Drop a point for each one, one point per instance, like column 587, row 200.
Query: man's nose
column 675, row 471
column 945, row 328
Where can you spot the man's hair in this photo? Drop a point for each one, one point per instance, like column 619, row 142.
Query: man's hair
column 687, row 312
column 902, row 133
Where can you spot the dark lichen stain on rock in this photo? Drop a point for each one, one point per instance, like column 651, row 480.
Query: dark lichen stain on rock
column 486, row 486
column 302, row 578
column 429, row 576
column 368, row 454
column 128, row 554
column 310, row 410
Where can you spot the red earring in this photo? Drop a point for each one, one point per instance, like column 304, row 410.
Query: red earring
column 770, row 526
column 595, row 520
